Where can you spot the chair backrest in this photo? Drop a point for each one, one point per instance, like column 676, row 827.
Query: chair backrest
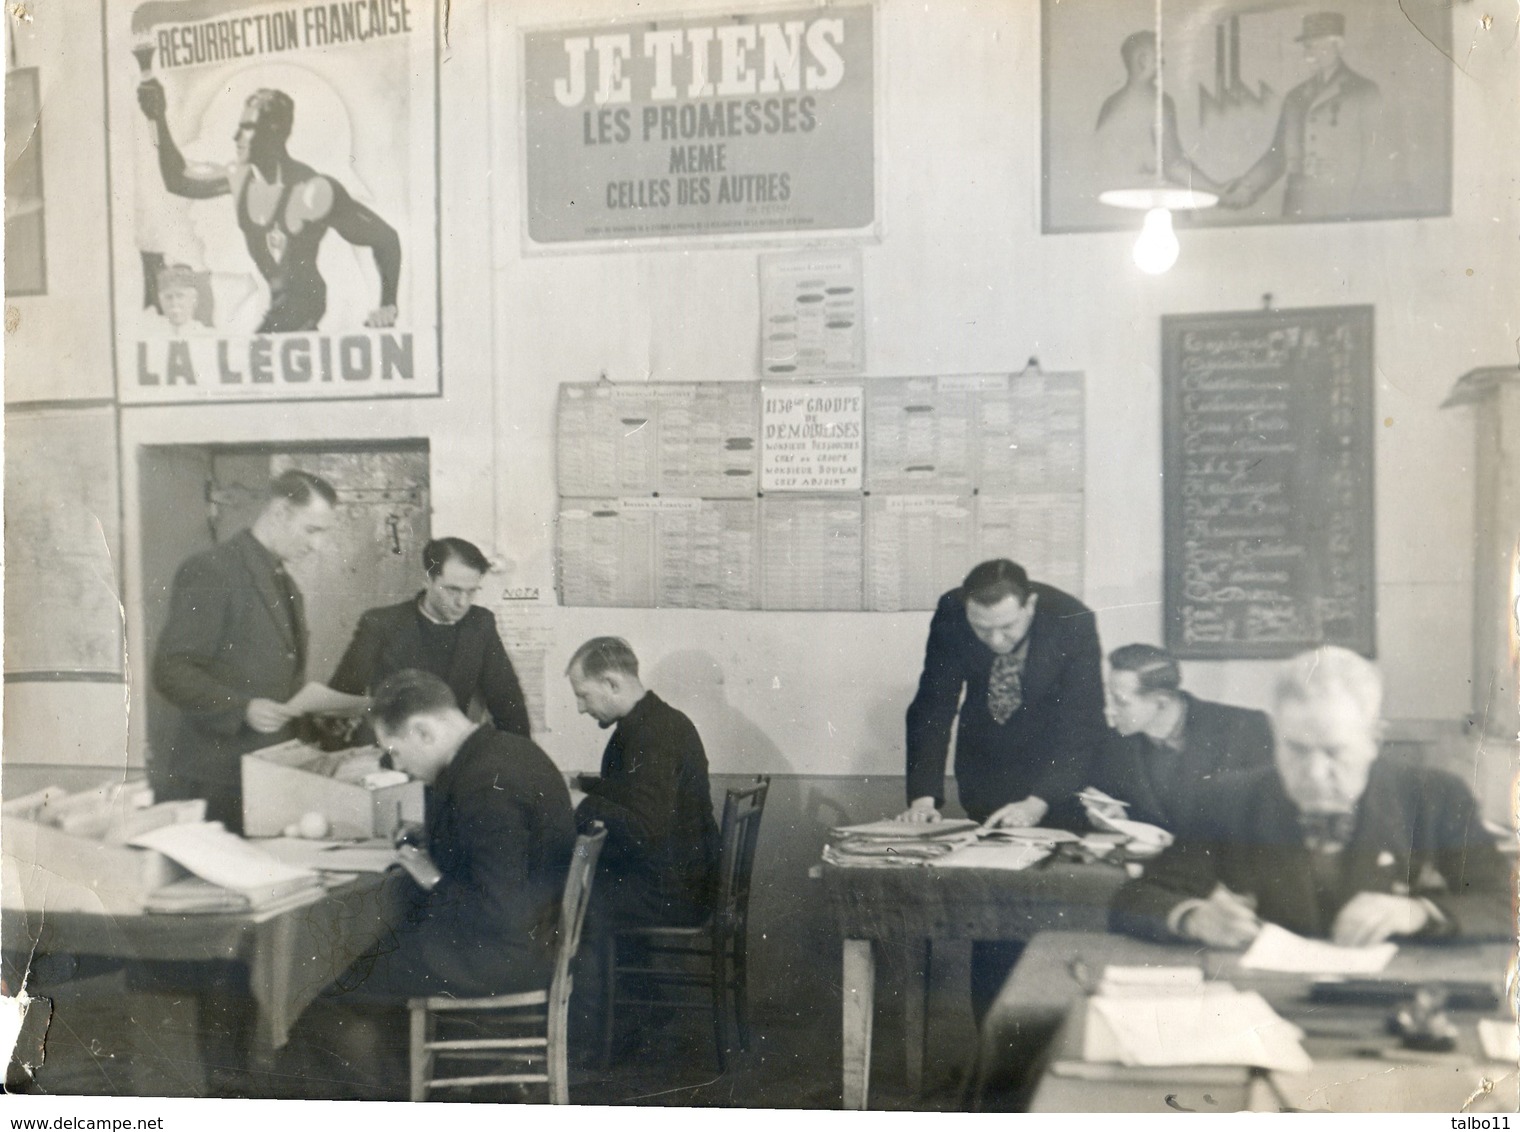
column 742, row 810
column 572, row 905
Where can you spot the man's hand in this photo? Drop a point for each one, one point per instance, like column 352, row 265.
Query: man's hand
column 266, row 716
column 382, row 317
column 920, row 810
column 1018, row 815
column 1372, row 917
column 151, row 98
column 1224, row 920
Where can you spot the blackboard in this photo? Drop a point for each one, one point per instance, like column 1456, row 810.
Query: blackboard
column 1268, row 487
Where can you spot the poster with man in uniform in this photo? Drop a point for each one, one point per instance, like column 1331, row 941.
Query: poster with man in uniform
column 1289, row 111
column 285, row 159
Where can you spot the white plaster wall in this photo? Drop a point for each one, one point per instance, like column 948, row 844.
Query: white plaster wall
column 961, row 281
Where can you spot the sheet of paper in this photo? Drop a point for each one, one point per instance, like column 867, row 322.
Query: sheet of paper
column 812, row 313
column 320, row 698
column 327, row 856
column 1151, row 980
column 209, row 851
column 1278, row 949
column 1012, row 858
column 1221, row 1027
column 905, row 829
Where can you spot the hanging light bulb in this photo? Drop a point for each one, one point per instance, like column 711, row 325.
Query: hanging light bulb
column 1156, row 249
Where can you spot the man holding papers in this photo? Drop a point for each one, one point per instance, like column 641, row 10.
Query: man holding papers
column 1331, row 841
column 233, row 652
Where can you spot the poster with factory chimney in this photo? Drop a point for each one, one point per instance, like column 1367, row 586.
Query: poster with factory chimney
column 732, row 126
column 1289, row 111
column 274, row 178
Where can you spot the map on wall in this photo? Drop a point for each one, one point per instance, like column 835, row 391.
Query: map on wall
column 872, row 495
column 63, row 614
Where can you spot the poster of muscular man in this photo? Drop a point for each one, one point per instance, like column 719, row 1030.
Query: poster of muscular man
column 275, row 189
column 1289, row 111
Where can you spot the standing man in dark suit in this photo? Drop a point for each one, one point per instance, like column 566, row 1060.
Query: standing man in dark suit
column 442, row 632
column 1332, row 840
column 234, row 648
column 1166, row 745
column 1027, row 657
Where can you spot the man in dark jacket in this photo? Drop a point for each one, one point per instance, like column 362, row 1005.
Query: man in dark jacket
column 659, row 865
column 1166, row 746
column 1332, row 840
column 660, row 861
column 1027, row 657
column 233, row 650
column 500, row 831
column 442, row 632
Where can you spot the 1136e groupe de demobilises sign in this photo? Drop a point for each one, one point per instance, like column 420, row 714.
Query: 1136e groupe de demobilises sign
column 710, row 126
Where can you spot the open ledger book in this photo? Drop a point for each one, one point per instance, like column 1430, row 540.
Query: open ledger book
column 249, row 877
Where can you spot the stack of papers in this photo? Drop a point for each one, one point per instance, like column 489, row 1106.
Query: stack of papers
column 1277, row 949
column 894, row 844
column 227, row 861
column 1218, row 1025
column 994, row 855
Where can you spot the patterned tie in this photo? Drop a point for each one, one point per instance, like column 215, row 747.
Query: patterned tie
column 1327, row 833
column 1005, row 685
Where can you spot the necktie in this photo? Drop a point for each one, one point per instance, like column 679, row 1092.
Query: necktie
column 1005, row 685
column 1327, row 833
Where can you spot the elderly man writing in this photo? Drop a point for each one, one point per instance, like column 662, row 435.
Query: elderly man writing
column 1333, row 840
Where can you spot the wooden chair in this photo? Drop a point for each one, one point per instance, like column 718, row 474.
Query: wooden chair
column 720, row 940
column 527, row 1028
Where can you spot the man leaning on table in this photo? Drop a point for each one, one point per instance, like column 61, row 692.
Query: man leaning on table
column 1333, row 840
column 1166, row 744
column 1028, row 659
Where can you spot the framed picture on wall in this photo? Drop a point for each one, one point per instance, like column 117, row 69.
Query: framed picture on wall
column 25, row 231
column 1292, row 111
column 274, row 201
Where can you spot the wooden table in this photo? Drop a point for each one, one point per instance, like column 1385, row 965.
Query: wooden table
column 911, row 907
column 1358, row 1065
column 291, row 954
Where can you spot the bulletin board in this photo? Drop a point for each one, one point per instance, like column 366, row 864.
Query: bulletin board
column 863, row 495
column 63, row 614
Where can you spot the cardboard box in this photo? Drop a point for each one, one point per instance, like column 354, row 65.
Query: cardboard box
column 120, row 876
column 279, row 787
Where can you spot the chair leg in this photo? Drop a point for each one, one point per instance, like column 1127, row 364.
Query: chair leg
column 421, row 1057
column 556, row 1056
column 608, row 959
column 720, row 1001
column 741, row 992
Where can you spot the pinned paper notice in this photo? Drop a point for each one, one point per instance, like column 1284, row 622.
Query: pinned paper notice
column 1278, row 949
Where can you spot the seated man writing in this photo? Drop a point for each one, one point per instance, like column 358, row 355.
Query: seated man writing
column 659, row 865
column 1166, row 746
column 501, row 833
column 1330, row 841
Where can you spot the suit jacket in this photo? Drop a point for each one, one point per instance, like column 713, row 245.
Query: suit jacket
column 230, row 638
column 389, row 639
column 1045, row 746
column 1217, row 739
column 656, row 802
column 1325, row 143
column 501, row 831
column 1417, row 833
